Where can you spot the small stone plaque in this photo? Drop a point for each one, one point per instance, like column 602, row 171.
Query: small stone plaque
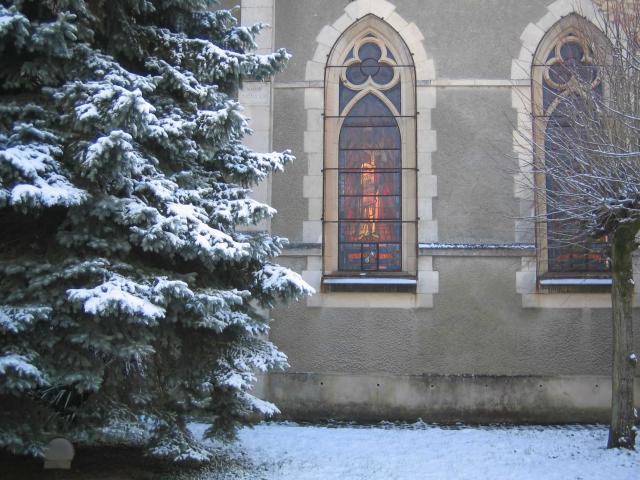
column 58, row 454
column 255, row 93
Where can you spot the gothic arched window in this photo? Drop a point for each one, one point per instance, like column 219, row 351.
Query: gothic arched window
column 369, row 215
column 564, row 63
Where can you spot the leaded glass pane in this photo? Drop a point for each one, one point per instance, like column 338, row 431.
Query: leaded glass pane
column 393, row 94
column 346, row 95
column 369, row 51
column 369, row 66
column 370, row 189
column 352, row 159
column 567, row 251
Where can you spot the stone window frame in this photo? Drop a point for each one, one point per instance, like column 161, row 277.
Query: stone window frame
column 428, row 277
column 370, row 29
column 527, row 276
column 572, row 27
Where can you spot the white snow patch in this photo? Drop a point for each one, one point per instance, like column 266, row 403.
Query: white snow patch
column 12, row 321
column 419, row 451
column 188, row 212
column 41, row 184
column 476, row 246
column 29, row 160
column 114, row 293
column 575, row 281
column 265, row 408
column 20, row 365
column 368, row 281
column 87, row 112
column 57, row 191
column 274, row 278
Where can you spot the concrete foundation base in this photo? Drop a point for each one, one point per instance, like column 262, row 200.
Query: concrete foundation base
column 440, row 398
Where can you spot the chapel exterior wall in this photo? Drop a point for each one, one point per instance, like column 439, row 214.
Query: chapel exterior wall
column 288, row 132
column 474, row 165
column 480, row 316
column 479, row 327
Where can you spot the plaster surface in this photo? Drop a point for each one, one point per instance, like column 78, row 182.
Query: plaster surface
column 466, row 38
column 471, row 39
column 474, row 164
column 443, row 398
column 298, row 22
column 487, row 356
column 286, row 191
column 476, row 326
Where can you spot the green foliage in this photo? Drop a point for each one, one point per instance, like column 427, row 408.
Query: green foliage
column 127, row 294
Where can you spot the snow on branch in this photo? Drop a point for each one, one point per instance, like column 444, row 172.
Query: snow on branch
column 112, row 162
column 14, row 26
column 274, row 281
column 211, row 309
column 18, row 319
column 118, row 295
column 17, row 373
column 126, row 114
column 248, row 166
column 255, row 404
column 235, row 370
column 178, row 445
column 31, row 171
column 184, row 230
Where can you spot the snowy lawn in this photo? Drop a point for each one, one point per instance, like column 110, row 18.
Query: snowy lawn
column 286, row 451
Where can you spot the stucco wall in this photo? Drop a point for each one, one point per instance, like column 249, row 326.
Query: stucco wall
column 470, row 38
column 297, row 23
column 288, row 133
column 477, row 326
column 474, row 164
column 477, row 320
column 442, row 398
column 466, row 38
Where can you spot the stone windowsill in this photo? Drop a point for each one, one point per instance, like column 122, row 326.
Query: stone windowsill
column 364, row 283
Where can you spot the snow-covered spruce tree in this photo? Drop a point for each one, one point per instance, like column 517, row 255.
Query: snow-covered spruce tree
column 127, row 293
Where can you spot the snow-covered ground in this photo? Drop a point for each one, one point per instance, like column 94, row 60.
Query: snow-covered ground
column 286, row 451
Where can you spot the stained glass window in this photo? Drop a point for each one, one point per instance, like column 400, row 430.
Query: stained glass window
column 370, row 189
column 568, row 63
column 369, row 163
column 369, row 217
column 567, row 251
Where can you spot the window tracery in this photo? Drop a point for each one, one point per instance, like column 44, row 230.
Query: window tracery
column 369, row 221
column 370, row 165
column 561, row 68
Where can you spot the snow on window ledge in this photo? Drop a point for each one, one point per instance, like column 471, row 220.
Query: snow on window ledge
column 362, row 283
column 574, row 285
column 575, row 282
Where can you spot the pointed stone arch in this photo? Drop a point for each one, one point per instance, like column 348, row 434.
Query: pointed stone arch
column 534, row 32
column 396, row 58
column 381, row 17
column 355, row 11
column 533, row 39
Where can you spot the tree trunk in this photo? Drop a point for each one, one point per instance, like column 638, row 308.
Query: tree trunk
column 622, row 432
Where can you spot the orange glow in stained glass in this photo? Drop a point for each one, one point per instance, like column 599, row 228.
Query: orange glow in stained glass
column 370, row 195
